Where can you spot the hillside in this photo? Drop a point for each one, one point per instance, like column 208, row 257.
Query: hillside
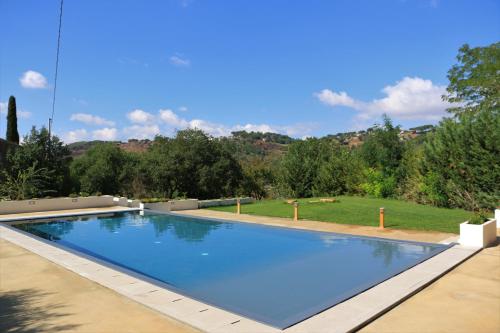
column 244, row 143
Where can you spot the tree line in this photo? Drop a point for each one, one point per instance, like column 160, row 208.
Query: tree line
column 456, row 164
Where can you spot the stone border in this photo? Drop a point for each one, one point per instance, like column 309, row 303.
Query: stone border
column 63, row 213
column 344, row 317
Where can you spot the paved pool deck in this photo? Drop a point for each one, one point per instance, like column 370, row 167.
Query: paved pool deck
column 467, row 299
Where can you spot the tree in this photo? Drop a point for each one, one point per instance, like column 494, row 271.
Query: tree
column 300, row 166
column 474, row 83
column 192, row 164
column 26, row 184
column 462, row 161
column 12, row 133
column 104, row 168
column 49, row 153
column 340, row 174
column 382, row 148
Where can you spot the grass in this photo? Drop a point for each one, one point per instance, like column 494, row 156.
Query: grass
column 362, row 211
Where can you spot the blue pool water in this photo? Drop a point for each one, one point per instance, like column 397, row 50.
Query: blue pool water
column 274, row 275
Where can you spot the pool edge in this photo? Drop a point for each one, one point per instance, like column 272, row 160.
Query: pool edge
column 226, row 321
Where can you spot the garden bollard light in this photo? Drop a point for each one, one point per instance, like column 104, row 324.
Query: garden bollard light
column 238, row 206
column 381, row 223
column 295, row 211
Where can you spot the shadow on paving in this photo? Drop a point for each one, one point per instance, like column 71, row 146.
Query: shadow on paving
column 21, row 313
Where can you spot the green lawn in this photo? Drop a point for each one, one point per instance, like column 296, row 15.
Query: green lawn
column 363, row 211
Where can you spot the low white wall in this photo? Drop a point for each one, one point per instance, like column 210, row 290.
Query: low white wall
column 121, row 201
column 497, row 217
column 40, row 205
column 173, row 205
column 224, row 202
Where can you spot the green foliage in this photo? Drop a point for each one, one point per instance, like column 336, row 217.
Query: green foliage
column 474, row 83
column 47, row 153
column 479, row 217
column 258, row 176
column 192, row 164
column 300, row 167
column 25, row 184
column 382, row 149
column 12, row 134
column 462, row 159
column 378, row 185
column 104, row 168
column 340, row 173
column 267, row 137
column 154, row 200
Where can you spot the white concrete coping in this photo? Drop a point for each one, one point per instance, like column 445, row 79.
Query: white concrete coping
column 344, row 317
column 64, row 213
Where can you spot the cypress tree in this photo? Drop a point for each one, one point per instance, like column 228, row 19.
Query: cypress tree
column 12, row 133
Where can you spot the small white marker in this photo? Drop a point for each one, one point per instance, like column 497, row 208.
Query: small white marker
column 204, row 254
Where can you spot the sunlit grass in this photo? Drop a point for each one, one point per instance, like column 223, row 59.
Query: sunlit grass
column 363, row 211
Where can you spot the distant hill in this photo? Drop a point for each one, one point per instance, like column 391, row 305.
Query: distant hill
column 244, row 143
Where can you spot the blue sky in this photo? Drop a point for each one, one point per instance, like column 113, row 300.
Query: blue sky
column 133, row 69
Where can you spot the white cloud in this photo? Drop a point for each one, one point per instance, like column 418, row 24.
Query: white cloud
column 166, row 121
column 141, row 132
column 254, row 128
column 412, row 98
column 179, row 61
column 20, row 113
column 23, row 114
column 76, row 135
column 332, row 98
column 105, row 134
column 209, row 127
column 138, row 116
column 90, row 119
column 80, row 101
column 33, row 80
column 172, row 119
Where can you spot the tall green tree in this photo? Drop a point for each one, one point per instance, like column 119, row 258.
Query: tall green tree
column 49, row 154
column 341, row 173
column 12, row 134
column 462, row 161
column 192, row 164
column 474, row 80
column 104, row 168
column 300, row 166
column 383, row 148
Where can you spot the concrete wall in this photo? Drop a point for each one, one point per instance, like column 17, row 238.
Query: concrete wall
column 173, row 205
column 224, row 202
column 40, row 205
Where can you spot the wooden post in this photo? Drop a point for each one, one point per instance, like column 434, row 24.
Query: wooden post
column 381, row 219
column 295, row 211
column 238, row 206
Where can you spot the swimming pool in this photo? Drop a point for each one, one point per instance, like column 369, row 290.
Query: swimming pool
column 275, row 275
